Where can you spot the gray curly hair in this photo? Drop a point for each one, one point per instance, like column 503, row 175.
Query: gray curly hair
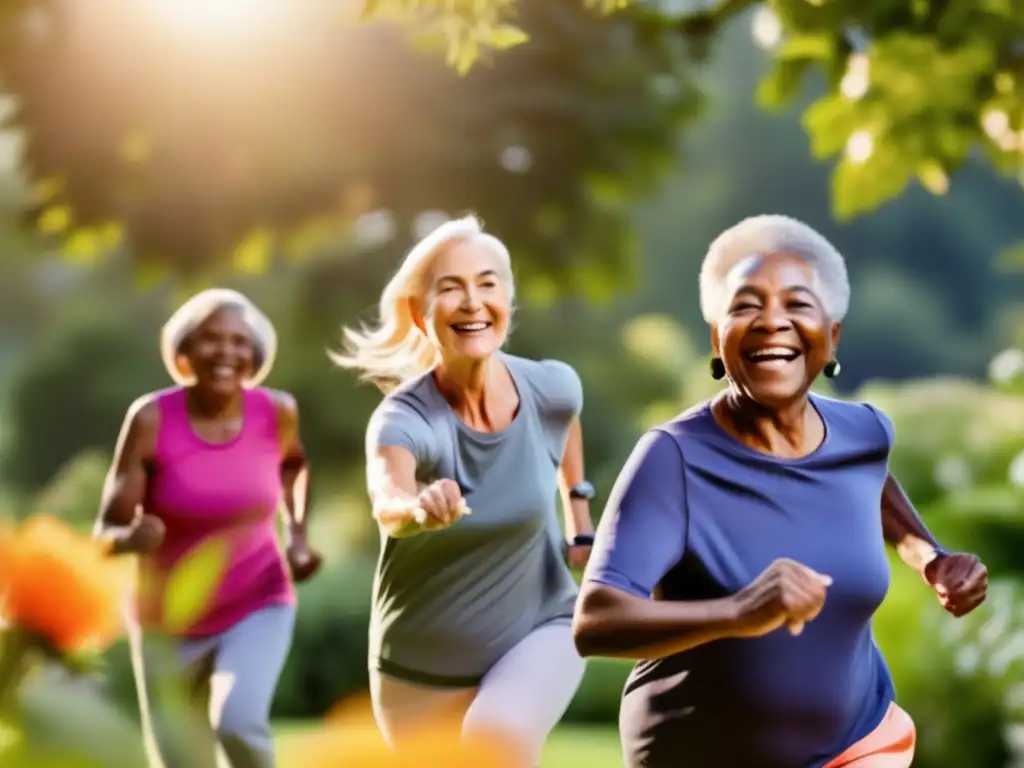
column 767, row 234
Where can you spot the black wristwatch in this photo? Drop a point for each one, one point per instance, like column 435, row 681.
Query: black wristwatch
column 582, row 490
column 582, row 540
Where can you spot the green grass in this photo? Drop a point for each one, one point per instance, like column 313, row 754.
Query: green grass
column 568, row 747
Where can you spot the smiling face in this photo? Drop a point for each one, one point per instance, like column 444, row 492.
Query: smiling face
column 775, row 337
column 220, row 352
column 468, row 306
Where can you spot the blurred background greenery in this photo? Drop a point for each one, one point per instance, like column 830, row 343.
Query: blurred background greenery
column 155, row 147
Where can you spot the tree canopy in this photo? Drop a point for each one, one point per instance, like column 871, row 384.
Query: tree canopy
column 913, row 88
column 298, row 128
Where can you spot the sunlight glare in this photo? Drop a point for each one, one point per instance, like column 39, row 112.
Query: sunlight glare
column 218, row 17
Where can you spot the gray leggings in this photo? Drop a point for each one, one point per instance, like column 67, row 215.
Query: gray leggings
column 523, row 695
column 196, row 695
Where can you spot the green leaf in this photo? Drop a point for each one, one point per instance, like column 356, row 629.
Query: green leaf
column 370, row 10
column 830, row 121
column 82, row 247
column 859, row 187
column 933, row 177
column 192, row 584
column 811, row 47
column 505, row 36
column 462, row 54
column 252, row 256
column 782, row 84
column 55, row 220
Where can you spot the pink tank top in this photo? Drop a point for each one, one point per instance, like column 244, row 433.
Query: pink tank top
column 229, row 490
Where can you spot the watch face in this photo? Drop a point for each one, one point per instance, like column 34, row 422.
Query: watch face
column 582, row 490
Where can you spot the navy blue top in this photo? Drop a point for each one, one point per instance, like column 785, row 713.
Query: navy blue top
column 697, row 515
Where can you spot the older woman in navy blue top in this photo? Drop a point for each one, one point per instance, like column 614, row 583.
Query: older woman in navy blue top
column 742, row 554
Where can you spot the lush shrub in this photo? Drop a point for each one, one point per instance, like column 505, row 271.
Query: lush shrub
column 328, row 658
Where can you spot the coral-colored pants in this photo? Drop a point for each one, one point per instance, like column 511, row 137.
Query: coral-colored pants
column 890, row 745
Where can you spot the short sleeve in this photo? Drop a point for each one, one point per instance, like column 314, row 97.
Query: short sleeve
column 396, row 424
column 885, row 423
column 558, row 392
column 561, row 390
column 642, row 533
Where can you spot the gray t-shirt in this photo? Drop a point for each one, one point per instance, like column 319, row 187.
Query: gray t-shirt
column 448, row 604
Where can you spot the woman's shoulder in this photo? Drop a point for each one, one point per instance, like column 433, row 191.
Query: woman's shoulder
column 543, row 367
column 693, row 423
column 284, row 403
column 414, row 404
column 145, row 411
column 548, row 379
column 856, row 420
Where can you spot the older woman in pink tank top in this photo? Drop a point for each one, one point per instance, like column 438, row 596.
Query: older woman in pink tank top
column 211, row 461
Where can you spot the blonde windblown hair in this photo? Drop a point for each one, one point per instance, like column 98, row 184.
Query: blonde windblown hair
column 396, row 349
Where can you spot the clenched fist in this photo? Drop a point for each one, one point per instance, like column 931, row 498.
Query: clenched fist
column 146, row 535
column 440, row 505
column 786, row 593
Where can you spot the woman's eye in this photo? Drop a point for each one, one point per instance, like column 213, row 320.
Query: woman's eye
column 742, row 306
column 489, row 284
column 799, row 305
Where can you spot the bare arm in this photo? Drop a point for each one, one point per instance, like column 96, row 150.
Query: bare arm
column 391, row 480
column 125, row 487
column 904, row 529
column 571, row 473
column 611, row 622
column 294, row 465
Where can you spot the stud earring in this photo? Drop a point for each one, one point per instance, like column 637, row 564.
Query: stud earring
column 832, row 369
column 717, row 368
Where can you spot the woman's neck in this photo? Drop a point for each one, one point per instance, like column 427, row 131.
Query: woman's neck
column 792, row 431
column 480, row 392
column 213, row 405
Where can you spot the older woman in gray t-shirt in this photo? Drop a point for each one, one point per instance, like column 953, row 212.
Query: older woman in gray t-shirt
column 473, row 599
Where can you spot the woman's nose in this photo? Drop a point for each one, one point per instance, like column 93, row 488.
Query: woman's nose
column 774, row 317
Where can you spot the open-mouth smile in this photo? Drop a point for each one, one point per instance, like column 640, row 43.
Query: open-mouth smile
column 469, row 329
column 773, row 358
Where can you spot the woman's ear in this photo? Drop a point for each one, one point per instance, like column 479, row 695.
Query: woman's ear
column 183, row 366
column 836, row 328
column 417, row 315
column 716, row 348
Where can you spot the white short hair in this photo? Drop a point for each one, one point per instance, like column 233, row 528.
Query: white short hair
column 766, row 235
column 197, row 311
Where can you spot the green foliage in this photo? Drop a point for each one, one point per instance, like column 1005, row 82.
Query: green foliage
column 203, row 157
column 464, row 28
column 66, row 722
column 913, row 88
column 74, row 394
column 328, row 659
column 954, row 675
column 73, row 495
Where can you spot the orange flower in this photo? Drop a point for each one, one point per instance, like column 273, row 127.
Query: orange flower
column 59, row 585
column 350, row 738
